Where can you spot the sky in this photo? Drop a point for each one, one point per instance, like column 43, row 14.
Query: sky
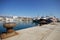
column 30, row 8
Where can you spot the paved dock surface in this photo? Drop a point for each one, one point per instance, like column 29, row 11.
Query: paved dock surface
column 45, row 32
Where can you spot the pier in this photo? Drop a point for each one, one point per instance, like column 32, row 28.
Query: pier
column 45, row 32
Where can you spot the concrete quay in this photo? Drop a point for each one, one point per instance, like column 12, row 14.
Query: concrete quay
column 45, row 32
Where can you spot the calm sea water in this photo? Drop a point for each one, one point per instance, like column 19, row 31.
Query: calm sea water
column 19, row 26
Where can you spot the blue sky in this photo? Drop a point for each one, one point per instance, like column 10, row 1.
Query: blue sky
column 30, row 8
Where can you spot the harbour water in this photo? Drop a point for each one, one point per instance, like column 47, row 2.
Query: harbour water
column 19, row 26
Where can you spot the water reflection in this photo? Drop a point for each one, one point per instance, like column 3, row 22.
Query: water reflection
column 19, row 26
column 23, row 25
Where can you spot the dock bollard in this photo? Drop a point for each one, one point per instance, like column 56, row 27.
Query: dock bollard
column 10, row 32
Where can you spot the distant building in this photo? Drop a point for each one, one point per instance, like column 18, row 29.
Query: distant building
column 9, row 20
column 2, row 18
column 36, row 18
column 14, row 17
